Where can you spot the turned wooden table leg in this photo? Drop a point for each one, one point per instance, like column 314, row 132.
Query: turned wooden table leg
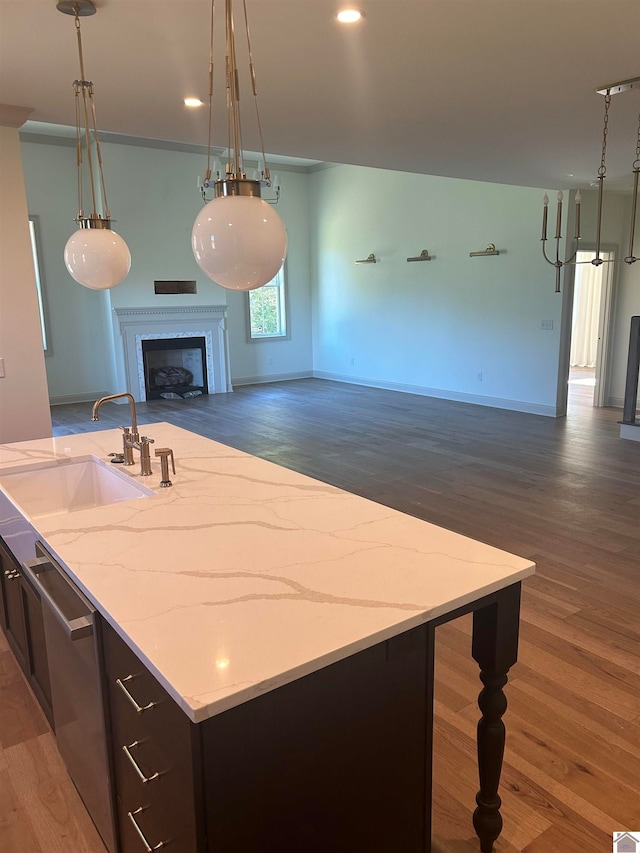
column 495, row 649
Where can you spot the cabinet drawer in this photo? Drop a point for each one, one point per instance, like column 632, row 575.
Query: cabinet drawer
column 157, row 771
column 12, row 614
column 157, row 825
column 156, row 828
column 169, row 789
column 162, row 721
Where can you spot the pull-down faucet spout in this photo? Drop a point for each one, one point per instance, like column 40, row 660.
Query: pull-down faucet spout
column 130, row 437
column 132, row 407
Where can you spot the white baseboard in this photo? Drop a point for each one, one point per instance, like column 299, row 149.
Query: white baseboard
column 456, row 396
column 272, row 377
column 88, row 397
column 615, row 402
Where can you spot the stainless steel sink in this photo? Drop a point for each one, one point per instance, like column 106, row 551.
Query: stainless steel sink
column 69, row 485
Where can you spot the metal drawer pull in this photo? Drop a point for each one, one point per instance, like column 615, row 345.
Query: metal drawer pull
column 139, row 708
column 144, row 779
column 147, row 846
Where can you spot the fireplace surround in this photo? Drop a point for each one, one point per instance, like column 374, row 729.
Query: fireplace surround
column 133, row 326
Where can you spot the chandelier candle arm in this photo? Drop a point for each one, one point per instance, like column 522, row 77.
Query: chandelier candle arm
column 631, row 258
column 559, row 216
column 558, row 264
column 607, row 91
column 597, row 261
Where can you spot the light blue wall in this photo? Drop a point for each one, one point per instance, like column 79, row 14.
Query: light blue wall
column 264, row 361
column 433, row 327
column 80, row 361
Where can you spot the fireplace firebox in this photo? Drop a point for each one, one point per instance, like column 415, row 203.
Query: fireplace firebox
column 174, row 367
column 134, row 327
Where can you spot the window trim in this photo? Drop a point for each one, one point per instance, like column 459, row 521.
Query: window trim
column 36, row 250
column 287, row 314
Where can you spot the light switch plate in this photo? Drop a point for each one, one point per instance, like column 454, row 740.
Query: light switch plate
column 1, row 368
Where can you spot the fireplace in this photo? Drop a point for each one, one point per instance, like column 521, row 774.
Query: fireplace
column 174, row 367
column 165, row 345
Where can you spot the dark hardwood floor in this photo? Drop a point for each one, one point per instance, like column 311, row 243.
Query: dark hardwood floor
column 563, row 492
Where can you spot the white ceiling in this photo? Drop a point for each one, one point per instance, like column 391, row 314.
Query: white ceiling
column 493, row 90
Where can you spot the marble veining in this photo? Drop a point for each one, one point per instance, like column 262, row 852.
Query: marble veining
column 244, row 575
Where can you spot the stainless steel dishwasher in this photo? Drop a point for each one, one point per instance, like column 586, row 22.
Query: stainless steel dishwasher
column 76, row 691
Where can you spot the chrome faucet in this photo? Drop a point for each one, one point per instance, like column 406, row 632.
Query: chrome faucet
column 131, row 438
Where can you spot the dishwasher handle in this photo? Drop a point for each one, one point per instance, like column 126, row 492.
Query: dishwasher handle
column 75, row 629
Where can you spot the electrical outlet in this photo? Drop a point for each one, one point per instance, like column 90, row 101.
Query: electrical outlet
column 479, row 376
column 546, row 324
column 352, row 361
column 1, row 368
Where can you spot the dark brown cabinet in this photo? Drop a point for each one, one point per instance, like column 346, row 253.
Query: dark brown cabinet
column 21, row 616
column 12, row 614
column 339, row 760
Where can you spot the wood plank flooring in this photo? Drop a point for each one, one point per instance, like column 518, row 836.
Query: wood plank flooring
column 565, row 493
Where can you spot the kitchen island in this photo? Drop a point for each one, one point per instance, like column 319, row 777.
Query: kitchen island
column 292, row 625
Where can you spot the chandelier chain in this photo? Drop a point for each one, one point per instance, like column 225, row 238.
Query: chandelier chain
column 79, row 152
column 85, row 87
column 603, row 166
column 207, row 176
column 81, row 85
column 233, row 99
column 254, row 87
column 636, row 162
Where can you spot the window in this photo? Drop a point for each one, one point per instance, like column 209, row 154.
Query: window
column 33, row 234
column 267, row 310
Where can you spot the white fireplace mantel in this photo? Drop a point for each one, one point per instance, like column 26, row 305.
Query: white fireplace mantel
column 131, row 326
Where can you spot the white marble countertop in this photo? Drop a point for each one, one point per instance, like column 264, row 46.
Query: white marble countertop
column 244, row 576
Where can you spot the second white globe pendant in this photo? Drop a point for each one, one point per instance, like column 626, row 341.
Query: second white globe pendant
column 239, row 242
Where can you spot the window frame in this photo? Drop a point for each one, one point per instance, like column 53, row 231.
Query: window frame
column 254, row 339
column 36, row 252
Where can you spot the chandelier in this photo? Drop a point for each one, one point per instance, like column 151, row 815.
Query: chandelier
column 238, row 239
column 95, row 256
column 608, row 92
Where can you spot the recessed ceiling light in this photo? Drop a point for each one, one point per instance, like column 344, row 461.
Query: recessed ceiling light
column 193, row 102
column 349, row 16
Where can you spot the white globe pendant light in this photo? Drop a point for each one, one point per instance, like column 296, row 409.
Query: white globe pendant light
column 97, row 258
column 239, row 241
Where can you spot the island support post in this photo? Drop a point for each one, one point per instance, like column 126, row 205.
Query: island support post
column 495, row 649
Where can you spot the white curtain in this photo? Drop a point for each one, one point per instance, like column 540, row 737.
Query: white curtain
column 586, row 313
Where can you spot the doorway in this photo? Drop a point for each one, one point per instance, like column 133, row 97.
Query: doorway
column 589, row 351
